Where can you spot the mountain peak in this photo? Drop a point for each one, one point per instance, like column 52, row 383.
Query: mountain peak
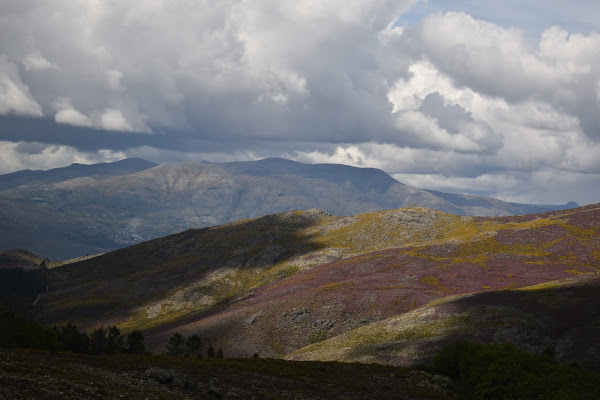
column 75, row 170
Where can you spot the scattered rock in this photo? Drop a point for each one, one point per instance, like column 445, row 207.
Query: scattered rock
column 253, row 319
column 164, row 376
column 214, row 389
column 159, row 375
column 152, row 382
column 180, row 380
column 437, row 383
column 323, row 324
column 297, row 315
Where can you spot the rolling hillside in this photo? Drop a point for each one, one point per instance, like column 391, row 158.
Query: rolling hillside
column 275, row 284
column 561, row 315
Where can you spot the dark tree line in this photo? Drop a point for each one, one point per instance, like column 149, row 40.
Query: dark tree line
column 17, row 332
column 190, row 347
column 503, row 371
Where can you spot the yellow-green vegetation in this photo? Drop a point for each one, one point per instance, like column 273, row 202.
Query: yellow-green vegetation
column 317, row 336
column 197, row 271
column 546, row 285
column 333, row 286
column 433, row 281
column 416, row 335
column 385, row 229
column 60, row 263
column 403, row 334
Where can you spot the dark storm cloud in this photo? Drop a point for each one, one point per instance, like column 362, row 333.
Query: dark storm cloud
column 449, row 117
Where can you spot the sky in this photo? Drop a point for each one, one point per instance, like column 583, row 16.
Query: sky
column 474, row 96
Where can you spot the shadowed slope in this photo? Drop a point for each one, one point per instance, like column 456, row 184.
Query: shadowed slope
column 358, row 277
column 562, row 315
column 18, row 258
column 33, row 375
column 198, row 269
column 229, row 282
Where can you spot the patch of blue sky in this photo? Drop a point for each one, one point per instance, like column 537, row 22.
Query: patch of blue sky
column 532, row 17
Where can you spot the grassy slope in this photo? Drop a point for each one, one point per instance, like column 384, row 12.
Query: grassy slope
column 343, row 271
column 461, row 255
column 18, row 258
column 562, row 315
column 42, row 375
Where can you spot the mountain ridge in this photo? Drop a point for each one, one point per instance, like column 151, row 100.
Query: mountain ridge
column 75, row 170
column 95, row 213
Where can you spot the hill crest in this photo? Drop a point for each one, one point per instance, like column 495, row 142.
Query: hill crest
column 97, row 213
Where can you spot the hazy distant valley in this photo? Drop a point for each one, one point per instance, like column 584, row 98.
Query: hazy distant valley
column 78, row 210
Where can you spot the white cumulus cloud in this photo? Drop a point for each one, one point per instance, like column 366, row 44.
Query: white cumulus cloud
column 15, row 97
column 450, row 97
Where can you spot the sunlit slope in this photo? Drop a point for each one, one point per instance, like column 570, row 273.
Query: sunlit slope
column 337, row 272
column 563, row 316
column 442, row 255
column 199, row 269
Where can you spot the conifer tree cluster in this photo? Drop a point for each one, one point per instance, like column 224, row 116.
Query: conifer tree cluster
column 190, row 347
column 17, row 332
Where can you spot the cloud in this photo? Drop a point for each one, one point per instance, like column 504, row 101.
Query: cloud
column 66, row 114
column 14, row 94
column 497, row 62
column 35, row 62
column 450, row 96
column 227, row 67
column 27, row 155
column 114, row 79
column 113, row 119
column 459, row 173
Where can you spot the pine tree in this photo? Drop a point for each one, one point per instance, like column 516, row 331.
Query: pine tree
column 135, row 342
column 98, row 341
column 193, row 346
column 220, row 353
column 114, row 343
column 175, row 345
column 210, row 353
column 73, row 340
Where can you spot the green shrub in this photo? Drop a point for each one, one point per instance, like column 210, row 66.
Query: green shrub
column 317, row 336
column 18, row 332
column 193, row 346
column 210, row 353
column 502, row 371
column 114, row 342
column 135, row 343
column 71, row 339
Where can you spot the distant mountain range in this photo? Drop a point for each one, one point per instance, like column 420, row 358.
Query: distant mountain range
column 88, row 209
column 40, row 177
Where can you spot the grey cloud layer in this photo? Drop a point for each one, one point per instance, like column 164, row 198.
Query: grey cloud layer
column 312, row 80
